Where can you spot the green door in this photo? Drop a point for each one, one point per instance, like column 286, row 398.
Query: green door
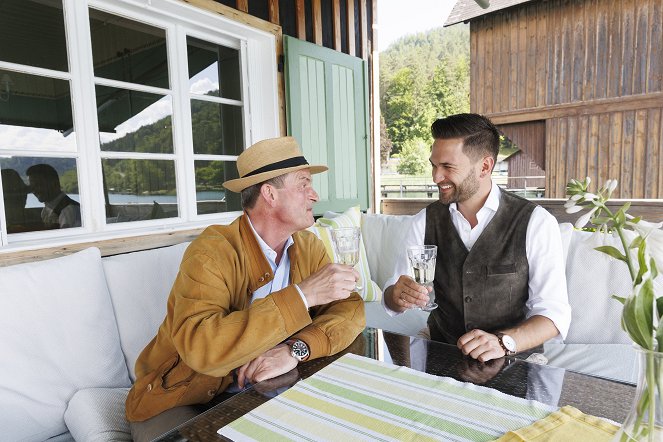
column 327, row 111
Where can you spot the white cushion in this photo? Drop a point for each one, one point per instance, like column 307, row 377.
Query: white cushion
column 592, row 278
column 566, row 233
column 139, row 285
column 384, row 237
column 57, row 336
column 97, row 414
column 612, row 361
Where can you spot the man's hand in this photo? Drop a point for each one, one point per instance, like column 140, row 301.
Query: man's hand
column 480, row 345
column 331, row 283
column 405, row 294
column 272, row 363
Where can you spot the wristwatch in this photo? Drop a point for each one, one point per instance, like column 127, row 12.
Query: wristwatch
column 298, row 349
column 507, row 343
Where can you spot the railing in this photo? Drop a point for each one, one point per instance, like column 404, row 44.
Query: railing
column 406, row 188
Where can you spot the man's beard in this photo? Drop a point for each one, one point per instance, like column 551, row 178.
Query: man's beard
column 464, row 191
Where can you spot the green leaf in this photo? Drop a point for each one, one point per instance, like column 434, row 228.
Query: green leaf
column 653, row 268
column 642, row 264
column 637, row 317
column 601, row 220
column 625, row 207
column 620, row 299
column 637, row 241
column 612, row 251
column 636, row 220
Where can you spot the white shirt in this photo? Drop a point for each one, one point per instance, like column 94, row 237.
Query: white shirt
column 281, row 271
column 69, row 216
column 547, row 279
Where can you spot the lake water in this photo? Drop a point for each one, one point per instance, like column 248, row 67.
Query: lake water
column 119, row 198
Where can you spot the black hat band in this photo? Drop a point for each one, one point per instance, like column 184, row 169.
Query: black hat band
column 284, row 164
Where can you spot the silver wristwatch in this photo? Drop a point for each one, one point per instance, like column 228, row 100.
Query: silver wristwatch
column 298, row 349
column 507, row 343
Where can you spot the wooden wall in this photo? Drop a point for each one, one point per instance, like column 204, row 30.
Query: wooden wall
column 593, row 71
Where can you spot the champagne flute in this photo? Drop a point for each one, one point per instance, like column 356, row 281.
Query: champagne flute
column 346, row 241
column 422, row 263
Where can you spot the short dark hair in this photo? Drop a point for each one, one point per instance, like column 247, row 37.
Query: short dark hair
column 249, row 196
column 45, row 171
column 479, row 134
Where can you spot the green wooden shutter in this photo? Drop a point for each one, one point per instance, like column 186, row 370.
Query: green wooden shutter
column 327, row 110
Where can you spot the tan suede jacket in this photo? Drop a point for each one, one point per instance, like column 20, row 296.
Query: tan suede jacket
column 211, row 328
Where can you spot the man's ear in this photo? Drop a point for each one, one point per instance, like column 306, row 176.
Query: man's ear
column 487, row 165
column 267, row 192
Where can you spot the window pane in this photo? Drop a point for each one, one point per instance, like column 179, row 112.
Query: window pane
column 217, row 128
column 211, row 196
column 127, row 50
column 131, row 121
column 40, row 193
column 136, row 190
column 35, row 113
column 213, row 69
column 32, row 33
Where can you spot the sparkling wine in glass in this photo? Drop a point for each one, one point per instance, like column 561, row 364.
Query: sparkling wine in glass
column 422, row 264
column 346, row 242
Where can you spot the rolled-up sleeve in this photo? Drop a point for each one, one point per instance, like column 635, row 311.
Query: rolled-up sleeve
column 548, row 294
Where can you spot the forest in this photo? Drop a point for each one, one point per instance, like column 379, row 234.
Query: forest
column 423, row 77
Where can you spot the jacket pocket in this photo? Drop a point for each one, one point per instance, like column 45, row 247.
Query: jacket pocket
column 501, row 269
column 176, row 375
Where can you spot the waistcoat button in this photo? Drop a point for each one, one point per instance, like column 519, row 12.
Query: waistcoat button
column 468, row 299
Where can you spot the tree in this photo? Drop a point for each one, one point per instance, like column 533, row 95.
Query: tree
column 385, row 142
column 414, row 157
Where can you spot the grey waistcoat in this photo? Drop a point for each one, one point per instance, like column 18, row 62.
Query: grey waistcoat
column 485, row 288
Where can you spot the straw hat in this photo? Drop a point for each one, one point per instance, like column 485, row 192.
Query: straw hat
column 268, row 159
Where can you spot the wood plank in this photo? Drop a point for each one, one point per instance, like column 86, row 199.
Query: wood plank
column 566, row 78
column 660, row 154
column 581, row 149
column 628, row 138
column 273, row 6
column 603, row 147
column 336, row 20
column 474, row 50
column 530, row 64
column 589, row 62
column 602, row 51
column 655, row 69
column 542, row 47
column 363, row 20
column 505, row 63
column 522, row 59
column 653, row 154
column 513, row 63
column 592, row 149
column 562, row 170
column 639, row 149
column 300, row 19
column 488, row 74
column 242, row 5
column 649, row 210
column 496, row 65
column 571, row 151
column 551, row 156
column 614, row 49
column 578, row 52
column 108, row 247
column 236, row 15
column 317, row 22
column 641, row 48
column 480, row 73
column 614, row 104
column 615, row 155
column 351, row 27
column 628, row 42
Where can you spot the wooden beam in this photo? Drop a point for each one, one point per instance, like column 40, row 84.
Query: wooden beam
column 363, row 26
column 108, row 247
column 300, row 19
column 317, row 22
column 351, row 27
column 242, row 5
column 592, row 107
column 274, row 12
column 238, row 16
column 336, row 11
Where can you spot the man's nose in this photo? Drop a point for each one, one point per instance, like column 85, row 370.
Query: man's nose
column 314, row 196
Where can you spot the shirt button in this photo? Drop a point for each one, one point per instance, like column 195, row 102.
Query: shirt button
column 468, row 272
column 468, row 299
column 149, row 387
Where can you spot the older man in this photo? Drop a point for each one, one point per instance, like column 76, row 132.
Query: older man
column 499, row 280
column 252, row 299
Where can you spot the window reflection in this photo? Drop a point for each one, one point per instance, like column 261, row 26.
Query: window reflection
column 213, row 69
column 40, row 193
column 136, row 190
column 127, row 50
column 217, row 128
column 32, row 33
column 35, row 113
column 211, row 197
column 131, row 121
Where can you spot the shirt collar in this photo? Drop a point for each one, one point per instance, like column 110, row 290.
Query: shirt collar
column 492, row 202
column 266, row 250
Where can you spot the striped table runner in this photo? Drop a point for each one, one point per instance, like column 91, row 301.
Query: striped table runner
column 357, row 398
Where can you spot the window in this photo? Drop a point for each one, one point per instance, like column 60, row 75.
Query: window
column 117, row 118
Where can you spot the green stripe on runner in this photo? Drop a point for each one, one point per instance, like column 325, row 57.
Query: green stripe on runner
column 400, row 410
column 512, row 403
column 256, row 431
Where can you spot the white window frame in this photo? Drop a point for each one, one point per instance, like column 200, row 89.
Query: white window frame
column 259, row 99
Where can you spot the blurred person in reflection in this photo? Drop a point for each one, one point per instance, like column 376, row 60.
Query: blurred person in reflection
column 499, row 279
column 15, row 195
column 59, row 210
column 251, row 300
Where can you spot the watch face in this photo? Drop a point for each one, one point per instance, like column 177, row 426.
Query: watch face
column 509, row 343
column 299, row 350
